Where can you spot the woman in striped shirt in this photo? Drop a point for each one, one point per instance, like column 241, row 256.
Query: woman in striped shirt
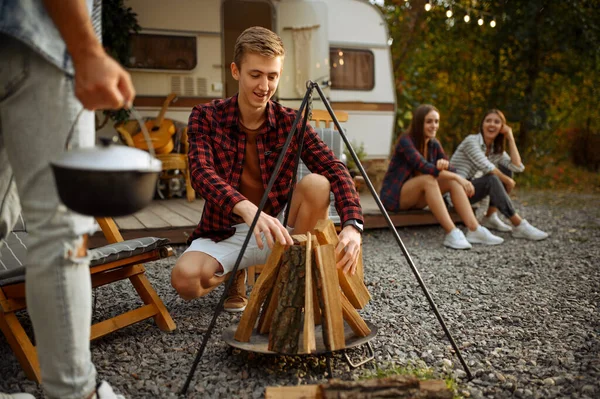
column 418, row 175
column 484, row 152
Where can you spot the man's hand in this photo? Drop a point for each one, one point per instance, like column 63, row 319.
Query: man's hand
column 268, row 225
column 442, row 164
column 100, row 82
column 349, row 246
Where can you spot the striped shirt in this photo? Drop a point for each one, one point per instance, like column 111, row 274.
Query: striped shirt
column 469, row 158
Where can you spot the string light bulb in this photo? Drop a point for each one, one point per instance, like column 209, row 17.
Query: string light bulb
column 449, row 13
column 480, row 21
column 427, row 6
column 467, row 18
column 493, row 23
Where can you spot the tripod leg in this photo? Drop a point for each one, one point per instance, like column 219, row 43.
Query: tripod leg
column 393, row 230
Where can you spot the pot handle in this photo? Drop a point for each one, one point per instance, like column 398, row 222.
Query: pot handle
column 137, row 117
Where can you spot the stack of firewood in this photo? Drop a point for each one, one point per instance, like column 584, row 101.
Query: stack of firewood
column 300, row 287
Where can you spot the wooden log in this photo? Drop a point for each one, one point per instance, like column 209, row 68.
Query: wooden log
column 331, row 305
column 294, row 392
column 266, row 317
column 286, row 325
column 309, row 344
column 352, row 285
column 316, row 304
column 351, row 316
column 259, row 293
column 398, row 386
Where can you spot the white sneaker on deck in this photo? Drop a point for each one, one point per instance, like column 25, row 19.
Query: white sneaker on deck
column 481, row 235
column 494, row 222
column 525, row 230
column 16, row 396
column 456, row 240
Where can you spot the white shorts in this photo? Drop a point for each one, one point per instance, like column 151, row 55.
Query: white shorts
column 227, row 251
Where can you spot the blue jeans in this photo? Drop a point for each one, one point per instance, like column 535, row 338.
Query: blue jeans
column 37, row 109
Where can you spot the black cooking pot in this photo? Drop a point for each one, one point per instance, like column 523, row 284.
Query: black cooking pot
column 107, row 181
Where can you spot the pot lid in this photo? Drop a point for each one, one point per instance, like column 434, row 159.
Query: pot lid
column 109, row 158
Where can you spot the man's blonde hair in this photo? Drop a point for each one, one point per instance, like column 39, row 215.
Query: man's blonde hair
column 257, row 40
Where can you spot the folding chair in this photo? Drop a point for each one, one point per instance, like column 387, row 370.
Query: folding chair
column 116, row 261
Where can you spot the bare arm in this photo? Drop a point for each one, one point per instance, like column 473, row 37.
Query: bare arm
column 100, row 82
column 513, row 151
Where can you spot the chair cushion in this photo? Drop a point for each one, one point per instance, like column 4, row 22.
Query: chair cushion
column 14, row 249
column 125, row 249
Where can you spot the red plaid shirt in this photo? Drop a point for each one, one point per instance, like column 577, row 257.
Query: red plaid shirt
column 216, row 158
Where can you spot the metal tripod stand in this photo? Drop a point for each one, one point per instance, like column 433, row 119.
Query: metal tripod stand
column 306, row 109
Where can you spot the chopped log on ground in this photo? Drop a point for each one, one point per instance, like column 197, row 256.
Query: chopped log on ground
column 397, row 386
column 352, row 285
column 286, row 325
column 259, row 292
column 329, row 287
column 309, row 344
column 400, row 387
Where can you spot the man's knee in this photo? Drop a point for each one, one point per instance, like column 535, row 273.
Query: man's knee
column 185, row 282
column 315, row 187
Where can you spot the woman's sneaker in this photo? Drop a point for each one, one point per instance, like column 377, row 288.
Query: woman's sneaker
column 456, row 239
column 525, row 230
column 494, row 222
column 481, row 235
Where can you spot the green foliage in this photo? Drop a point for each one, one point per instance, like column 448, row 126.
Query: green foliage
column 118, row 24
column 360, row 153
column 540, row 65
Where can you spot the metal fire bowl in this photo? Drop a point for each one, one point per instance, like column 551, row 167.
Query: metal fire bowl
column 259, row 343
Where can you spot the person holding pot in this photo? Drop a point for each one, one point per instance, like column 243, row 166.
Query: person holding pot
column 485, row 153
column 234, row 145
column 53, row 65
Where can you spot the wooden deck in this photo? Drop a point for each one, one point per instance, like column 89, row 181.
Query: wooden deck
column 175, row 219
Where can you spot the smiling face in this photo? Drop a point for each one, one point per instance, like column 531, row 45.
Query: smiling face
column 431, row 125
column 258, row 77
column 491, row 125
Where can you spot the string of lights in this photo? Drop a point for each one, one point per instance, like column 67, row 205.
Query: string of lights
column 468, row 11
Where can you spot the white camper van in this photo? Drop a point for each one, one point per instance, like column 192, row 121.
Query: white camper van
column 186, row 47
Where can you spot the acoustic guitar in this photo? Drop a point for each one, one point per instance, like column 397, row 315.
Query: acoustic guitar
column 161, row 131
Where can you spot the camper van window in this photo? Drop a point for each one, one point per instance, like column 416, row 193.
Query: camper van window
column 150, row 51
column 351, row 69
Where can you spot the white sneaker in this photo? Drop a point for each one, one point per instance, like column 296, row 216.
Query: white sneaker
column 456, row 239
column 105, row 391
column 494, row 222
column 525, row 230
column 483, row 236
column 16, row 396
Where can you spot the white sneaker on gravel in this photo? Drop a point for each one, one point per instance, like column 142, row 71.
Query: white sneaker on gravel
column 481, row 235
column 525, row 230
column 16, row 396
column 456, row 240
column 494, row 222
column 105, row 391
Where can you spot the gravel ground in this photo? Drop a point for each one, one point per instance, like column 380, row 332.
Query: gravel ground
column 524, row 314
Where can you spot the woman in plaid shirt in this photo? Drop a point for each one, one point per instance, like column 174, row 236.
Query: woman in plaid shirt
column 419, row 174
